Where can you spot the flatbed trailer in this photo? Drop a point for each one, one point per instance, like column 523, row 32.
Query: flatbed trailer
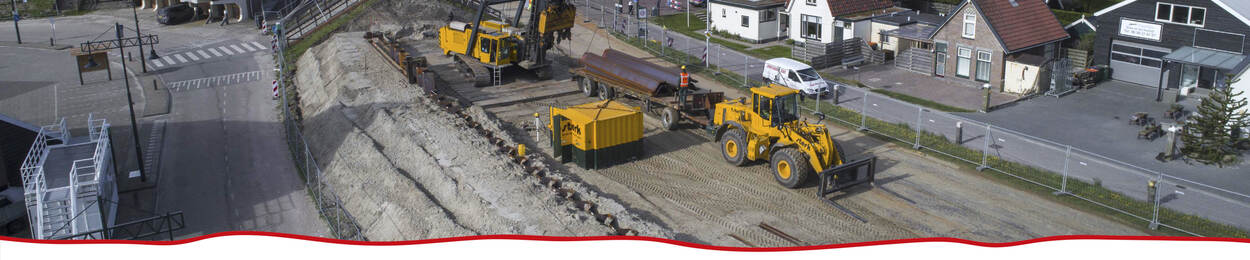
column 652, row 84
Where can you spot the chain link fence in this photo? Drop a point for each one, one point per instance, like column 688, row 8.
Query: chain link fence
column 1156, row 198
column 1145, row 195
column 329, row 205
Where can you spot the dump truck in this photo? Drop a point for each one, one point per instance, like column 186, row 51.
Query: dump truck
column 765, row 126
column 482, row 48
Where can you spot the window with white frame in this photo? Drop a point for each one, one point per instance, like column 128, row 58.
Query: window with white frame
column 970, row 26
column 983, row 66
column 722, row 13
column 810, row 27
column 1180, row 14
column 811, row 2
column 963, row 66
column 746, row 21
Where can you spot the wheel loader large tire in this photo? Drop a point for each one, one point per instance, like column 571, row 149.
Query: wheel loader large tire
column 790, row 167
column 670, row 118
column 733, row 147
column 590, row 88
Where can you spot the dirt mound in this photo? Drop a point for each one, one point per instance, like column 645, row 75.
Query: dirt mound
column 407, row 169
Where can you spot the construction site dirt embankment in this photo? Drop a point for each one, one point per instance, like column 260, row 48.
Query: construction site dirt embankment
column 406, row 169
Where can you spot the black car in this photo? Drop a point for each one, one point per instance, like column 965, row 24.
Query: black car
column 175, row 14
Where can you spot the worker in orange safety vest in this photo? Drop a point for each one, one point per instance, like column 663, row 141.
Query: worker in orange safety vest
column 684, row 86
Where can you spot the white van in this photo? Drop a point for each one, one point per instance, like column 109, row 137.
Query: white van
column 795, row 75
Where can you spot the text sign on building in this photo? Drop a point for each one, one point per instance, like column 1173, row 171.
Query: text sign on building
column 1144, row 30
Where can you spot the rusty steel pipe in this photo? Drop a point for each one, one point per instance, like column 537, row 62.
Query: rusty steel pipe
column 669, row 75
column 638, row 81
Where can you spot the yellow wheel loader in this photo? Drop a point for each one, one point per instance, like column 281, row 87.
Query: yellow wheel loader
column 766, row 127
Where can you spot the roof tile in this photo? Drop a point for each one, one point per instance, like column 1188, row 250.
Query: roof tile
column 1024, row 25
column 845, row 7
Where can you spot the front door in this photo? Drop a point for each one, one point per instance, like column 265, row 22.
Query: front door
column 940, row 68
column 1189, row 76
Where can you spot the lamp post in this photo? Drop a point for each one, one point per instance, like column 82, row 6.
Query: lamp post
column 134, row 127
column 16, row 30
column 143, row 59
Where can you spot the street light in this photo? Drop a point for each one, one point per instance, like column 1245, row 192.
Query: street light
column 130, row 103
column 143, row 61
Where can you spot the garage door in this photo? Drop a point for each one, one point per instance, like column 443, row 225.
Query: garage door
column 1137, row 63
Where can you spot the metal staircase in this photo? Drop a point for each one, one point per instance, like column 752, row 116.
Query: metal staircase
column 61, row 211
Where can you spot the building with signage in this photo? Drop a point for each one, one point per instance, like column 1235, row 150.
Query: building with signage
column 1185, row 44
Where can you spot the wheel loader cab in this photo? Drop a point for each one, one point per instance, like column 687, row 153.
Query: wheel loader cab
column 775, row 105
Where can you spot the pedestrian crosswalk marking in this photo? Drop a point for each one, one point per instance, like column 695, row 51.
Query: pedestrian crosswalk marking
column 226, row 50
column 210, row 82
column 236, row 48
column 180, row 58
column 215, row 53
column 202, row 53
column 248, row 47
column 258, row 45
column 192, row 55
column 169, row 60
column 157, row 63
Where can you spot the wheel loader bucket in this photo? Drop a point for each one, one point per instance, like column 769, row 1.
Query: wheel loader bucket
column 847, row 175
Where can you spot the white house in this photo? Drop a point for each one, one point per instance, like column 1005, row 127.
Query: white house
column 753, row 20
column 816, row 19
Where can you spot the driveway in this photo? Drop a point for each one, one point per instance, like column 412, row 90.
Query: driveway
column 952, row 92
column 1096, row 120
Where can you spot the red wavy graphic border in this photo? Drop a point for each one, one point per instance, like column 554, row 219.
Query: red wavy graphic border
column 630, row 238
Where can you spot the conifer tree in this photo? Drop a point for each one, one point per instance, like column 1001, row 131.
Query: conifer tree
column 1209, row 138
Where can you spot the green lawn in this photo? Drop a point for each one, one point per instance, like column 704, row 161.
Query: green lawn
column 776, row 51
column 677, row 23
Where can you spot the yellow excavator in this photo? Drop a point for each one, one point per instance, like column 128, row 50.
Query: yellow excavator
column 767, row 126
column 482, row 48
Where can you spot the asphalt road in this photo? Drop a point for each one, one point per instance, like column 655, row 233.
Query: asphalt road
column 221, row 157
column 1222, row 202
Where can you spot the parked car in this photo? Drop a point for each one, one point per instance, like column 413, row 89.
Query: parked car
column 699, row 3
column 175, row 14
column 796, row 75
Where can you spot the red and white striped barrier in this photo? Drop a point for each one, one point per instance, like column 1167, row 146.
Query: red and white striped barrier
column 275, row 89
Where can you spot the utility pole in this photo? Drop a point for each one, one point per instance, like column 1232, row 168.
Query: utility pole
column 17, row 30
column 143, row 59
column 134, row 127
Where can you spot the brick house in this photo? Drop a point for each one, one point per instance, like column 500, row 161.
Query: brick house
column 980, row 37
